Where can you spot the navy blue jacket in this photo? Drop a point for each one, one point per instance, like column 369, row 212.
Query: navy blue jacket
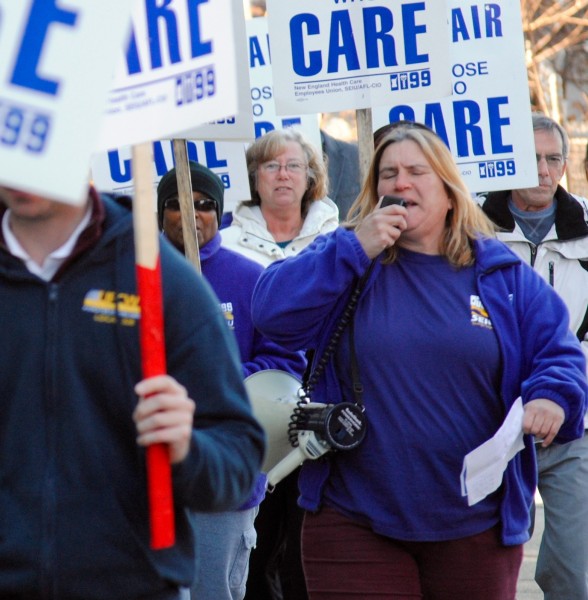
column 74, row 518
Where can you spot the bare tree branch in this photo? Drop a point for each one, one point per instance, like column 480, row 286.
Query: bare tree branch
column 555, row 34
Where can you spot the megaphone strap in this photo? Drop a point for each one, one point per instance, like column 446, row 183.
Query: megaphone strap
column 306, row 390
column 345, row 319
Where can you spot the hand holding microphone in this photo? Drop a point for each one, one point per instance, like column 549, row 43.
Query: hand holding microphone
column 382, row 228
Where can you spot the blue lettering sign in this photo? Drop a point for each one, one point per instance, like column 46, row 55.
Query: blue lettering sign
column 466, row 116
column 23, row 128
column 315, row 61
column 199, row 47
column 212, row 160
column 161, row 167
column 133, row 60
column 42, row 15
column 411, row 30
column 378, row 22
column 120, row 172
column 497, row 123
column 256, row 57
column 464, row 30
column 341, row 30
column 168, row 17
column 262, row 127
column 493, row 22
column 434, row 119
column 291, row 122
column 373, row 34
column 159, row 12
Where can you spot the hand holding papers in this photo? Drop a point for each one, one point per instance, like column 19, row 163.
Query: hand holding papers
column 483, row 467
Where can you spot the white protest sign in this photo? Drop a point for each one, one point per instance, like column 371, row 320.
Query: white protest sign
column 332, row 55
column 262, row 92
column 239, row 126
column 178, row 72
column 111, row 171
column 53, row 84
column 487, row 122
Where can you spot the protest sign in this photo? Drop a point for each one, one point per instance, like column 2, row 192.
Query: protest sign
column 487, row 122
column 178, row 72
column 262, row 91
column 239, row 126
column 334, row 55
column 53, row 87
column 112, row 171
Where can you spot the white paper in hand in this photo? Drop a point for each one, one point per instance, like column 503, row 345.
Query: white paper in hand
column 484, row 466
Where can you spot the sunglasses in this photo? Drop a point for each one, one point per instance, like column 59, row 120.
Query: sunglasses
column 204, row 205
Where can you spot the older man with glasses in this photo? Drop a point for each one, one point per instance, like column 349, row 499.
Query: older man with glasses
column 546, row 226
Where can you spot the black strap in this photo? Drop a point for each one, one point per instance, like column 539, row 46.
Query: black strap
column 346, row 319
column 355, row 380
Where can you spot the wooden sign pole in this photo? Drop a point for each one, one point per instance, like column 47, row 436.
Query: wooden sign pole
column 189, row 233
column 365, row 140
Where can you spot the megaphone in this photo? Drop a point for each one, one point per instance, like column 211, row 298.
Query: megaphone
column 273, row 394
column 319, row 428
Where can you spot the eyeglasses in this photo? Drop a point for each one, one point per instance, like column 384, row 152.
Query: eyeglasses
column 204, row 205
column 292, row 167
column 552, row 160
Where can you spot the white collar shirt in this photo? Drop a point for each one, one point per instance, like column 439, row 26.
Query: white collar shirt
column 54, row 260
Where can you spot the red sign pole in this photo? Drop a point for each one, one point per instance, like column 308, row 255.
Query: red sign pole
column 161, row 508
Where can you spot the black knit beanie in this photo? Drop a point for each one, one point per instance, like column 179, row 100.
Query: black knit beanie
column 203, row 180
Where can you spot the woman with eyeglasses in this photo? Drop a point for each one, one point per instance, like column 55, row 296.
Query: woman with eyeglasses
column 450, row 328
column 289, row 205
column 288, row 209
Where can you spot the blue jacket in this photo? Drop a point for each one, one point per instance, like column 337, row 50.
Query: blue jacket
column 233, row 278
column 75, row 520
column 298, row 302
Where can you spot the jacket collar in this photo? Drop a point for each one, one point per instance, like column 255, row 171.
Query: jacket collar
column 569, row 215
column 106, row 222
column 211, row 247
column 492, row 254
column 322, row 216
column 206, row 251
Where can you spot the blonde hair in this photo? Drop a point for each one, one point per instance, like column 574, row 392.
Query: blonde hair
column 273, row 143
column 465, row 220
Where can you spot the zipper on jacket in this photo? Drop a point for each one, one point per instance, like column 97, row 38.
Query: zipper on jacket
column 551, row 273
column 49, row 498
column 533, row 254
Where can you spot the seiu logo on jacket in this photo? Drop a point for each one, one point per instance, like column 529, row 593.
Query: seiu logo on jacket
column 480, row 316
column 227, row 308
column 108, row 306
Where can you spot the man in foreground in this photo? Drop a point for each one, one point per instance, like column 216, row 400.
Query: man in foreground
column 76, row 417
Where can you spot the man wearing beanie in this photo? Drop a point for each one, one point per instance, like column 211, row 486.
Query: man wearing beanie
column 224, row 540
column 205, row 184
